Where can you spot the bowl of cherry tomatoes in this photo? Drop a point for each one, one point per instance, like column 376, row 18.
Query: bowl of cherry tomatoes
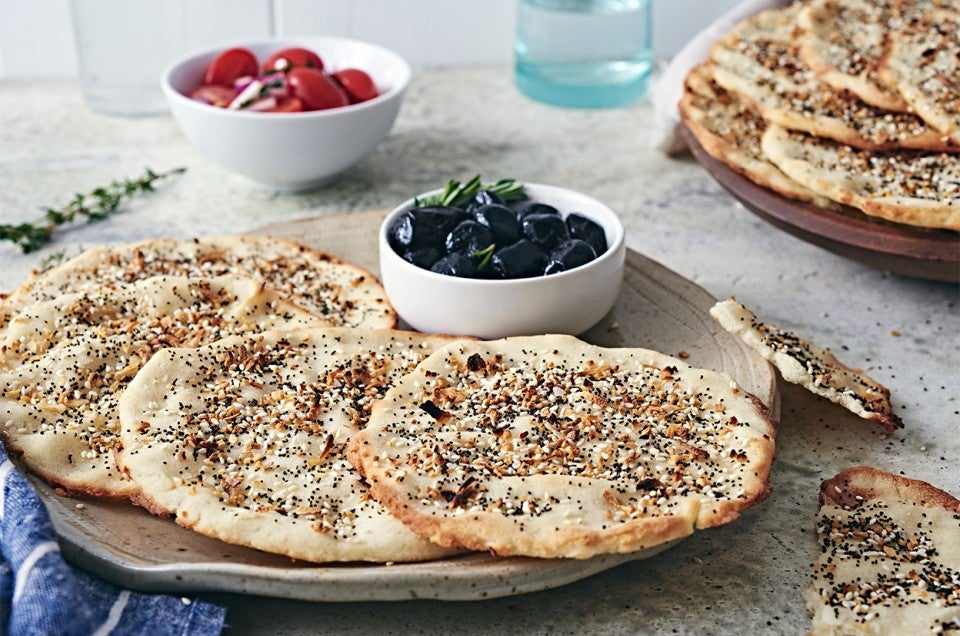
column 287, row 114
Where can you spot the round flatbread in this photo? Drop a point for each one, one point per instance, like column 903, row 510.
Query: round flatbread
column 547, row 446
column 843, row 42
column 889, row 559
column 730, row 131
column 923, row 64
column 343, row 294
column 243, row 440
column 64, row 364
column 808, row 365
column 760, row 60
column 914, row 188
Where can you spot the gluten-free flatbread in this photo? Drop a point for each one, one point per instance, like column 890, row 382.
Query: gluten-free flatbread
column 808, row 365
column 760, row 60
column 730, row 131
column 843, row 42
column 923, row 64
column 889, row 559
column 243, row 440
column 547, row 446
column 343, row 294
column 64, row 363
column 910, row 187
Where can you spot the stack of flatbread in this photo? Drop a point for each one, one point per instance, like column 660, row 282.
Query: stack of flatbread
column 840, row 103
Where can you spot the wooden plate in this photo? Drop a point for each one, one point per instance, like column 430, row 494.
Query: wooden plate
column 902, row 249
column 126, row 545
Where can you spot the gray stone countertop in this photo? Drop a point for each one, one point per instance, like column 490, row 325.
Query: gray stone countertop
column 746, row 577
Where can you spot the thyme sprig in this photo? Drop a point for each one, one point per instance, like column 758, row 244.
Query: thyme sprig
column 96, row 205
column 456, row 194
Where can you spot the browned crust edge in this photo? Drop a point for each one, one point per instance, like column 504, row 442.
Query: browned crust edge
column 630, row 536
column 869, row 483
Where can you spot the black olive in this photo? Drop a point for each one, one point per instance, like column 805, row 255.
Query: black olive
column 468, row 238
column 501, row 221
column 527, row 208
column 586, row 230
column 455, row 265
column 523, row 259
column 423, row 257
column 546, row 230
column 424, row 227
column 570, row 254
column 482, row 198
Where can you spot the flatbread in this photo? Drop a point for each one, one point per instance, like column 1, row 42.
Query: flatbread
column 760, row 60
column 343, row 294
column 730, row 131
column 547, row 446
column 843, row 42
column 808, row 365
column 243, row 440
column 923, row 64
column 921, row 189
column 889, row 558
column 65, row 362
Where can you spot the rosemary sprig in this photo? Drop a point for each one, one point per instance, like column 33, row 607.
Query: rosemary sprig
column 485, row 255
column 457, row 195
column 98, row 204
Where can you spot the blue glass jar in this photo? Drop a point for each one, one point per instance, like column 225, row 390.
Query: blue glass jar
column 583, row 53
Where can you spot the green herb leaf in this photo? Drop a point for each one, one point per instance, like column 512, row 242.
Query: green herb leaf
column 485, row 255
column 458, row 195
column 98, row 204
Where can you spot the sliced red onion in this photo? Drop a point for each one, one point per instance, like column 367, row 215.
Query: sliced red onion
column 247, row 96
column 242, row 82
column 273, row 76
column 263, row 104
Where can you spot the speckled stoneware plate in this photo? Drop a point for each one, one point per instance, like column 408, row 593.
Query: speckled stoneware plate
column 657, row 309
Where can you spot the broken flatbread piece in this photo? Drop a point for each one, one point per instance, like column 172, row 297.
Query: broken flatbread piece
column 243, row 440
column 803, row 363
column 889, row 558
column 547, row 446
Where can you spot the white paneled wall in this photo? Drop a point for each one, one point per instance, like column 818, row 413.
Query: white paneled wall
column 36, row 36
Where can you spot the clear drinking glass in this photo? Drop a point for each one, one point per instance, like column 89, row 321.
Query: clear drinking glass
column 122, row 47
column 583, row 53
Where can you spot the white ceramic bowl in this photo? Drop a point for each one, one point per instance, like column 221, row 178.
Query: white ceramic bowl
column 290, row 152
column 569, row 302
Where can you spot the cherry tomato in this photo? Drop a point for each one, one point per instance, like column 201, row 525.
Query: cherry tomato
column 358, row 85
column 216, row 95
column 287, row 105
column 229, row 66
column 315, row 90
column 286, row 59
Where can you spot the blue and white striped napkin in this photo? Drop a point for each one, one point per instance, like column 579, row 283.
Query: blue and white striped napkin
column 41, row 594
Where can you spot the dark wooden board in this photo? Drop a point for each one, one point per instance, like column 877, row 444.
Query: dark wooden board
column 902, row 249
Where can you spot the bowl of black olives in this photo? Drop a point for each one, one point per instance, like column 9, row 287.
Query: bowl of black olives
column 502, row 259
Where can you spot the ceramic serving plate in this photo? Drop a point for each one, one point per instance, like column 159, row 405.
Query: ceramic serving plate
column 656, row 309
